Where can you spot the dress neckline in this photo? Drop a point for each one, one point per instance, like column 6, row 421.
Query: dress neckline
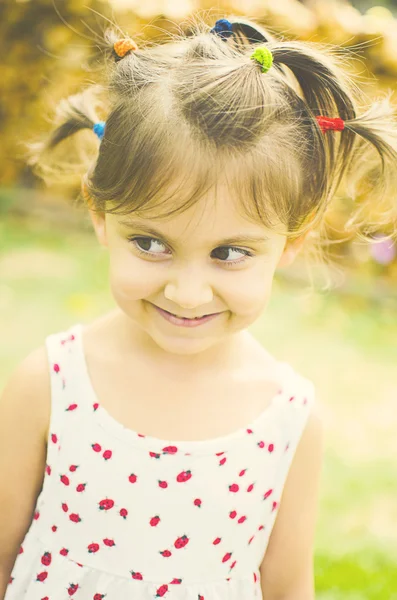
column 159, row 445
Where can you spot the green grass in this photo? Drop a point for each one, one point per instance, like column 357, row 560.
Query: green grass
column 52, row 277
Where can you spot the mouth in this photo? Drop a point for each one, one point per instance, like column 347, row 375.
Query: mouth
column 189, row 318
column 184, row 321
column 184, row 317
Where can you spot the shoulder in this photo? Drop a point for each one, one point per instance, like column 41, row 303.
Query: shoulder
column 28, row 389
column 32, row 372
column 312, row 439
column 301, row 387
column 24, row 413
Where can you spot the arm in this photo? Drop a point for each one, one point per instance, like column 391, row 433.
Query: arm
column 287, row 569
column 24, row 417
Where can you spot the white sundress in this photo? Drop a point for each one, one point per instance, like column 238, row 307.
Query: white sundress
column 126, row 516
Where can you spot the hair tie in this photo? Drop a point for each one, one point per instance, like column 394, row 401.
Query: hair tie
column 121, row 47
column 329, row 123
column 223, row 28
column 99, row 129
column 264, row 57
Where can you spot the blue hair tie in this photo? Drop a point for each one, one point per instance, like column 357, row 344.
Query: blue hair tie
column 99, row 129
column 223, row 28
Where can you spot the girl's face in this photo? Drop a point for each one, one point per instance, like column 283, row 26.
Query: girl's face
column 192, row 265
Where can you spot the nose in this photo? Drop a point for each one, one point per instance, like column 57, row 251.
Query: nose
column 188, row 288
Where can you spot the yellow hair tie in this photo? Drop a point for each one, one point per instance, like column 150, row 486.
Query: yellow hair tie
column 264, row 57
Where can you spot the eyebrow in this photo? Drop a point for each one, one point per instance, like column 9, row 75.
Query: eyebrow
column 242, row 237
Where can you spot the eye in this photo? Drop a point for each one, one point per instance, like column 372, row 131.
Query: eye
column 137, row 241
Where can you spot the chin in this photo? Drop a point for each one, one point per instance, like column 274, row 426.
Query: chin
column 184, row 347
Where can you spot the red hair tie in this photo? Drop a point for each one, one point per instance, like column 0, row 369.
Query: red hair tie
column 328, row 123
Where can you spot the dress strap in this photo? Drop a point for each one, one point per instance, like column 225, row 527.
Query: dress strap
column 296, row 408
column 63, row 362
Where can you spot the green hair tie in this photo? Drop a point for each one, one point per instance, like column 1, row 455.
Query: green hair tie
column 264, row 57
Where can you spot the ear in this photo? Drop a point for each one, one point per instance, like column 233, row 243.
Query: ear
column 98, row 219
column 291, row 250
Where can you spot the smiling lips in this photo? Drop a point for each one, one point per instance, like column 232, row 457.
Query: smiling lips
column 182, row 321
column 190, row 318
column 182, row 317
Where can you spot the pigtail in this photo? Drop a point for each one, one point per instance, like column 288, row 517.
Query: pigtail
column 325, row 86
column 329, row 91
column 372, row 176
column 326, row 90
column 246, row 33
column 84, row 110
column 71, row 115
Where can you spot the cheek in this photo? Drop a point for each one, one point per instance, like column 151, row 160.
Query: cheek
column 251, row 296
column 128, row 276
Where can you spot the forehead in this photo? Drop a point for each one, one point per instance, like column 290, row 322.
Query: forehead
column 216, row 216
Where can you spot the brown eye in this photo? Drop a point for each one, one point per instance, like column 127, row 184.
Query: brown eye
column 139, row 241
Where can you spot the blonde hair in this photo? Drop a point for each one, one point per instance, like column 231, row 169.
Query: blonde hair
column 184, row 114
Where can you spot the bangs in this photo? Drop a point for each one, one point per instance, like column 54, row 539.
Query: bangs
column 168, row 174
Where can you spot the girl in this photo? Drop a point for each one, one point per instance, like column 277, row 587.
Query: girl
column 161, row 451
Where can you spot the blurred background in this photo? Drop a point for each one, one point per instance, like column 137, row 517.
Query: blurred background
column 53, row 273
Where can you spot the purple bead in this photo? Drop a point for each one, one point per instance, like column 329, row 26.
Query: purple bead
column 383, row 252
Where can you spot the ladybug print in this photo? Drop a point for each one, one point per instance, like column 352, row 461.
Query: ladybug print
column 75, row 518
column 184, row 476
column 125, row 514
column 106, row 504
column 46, row 559
column 181, row 541
column 73, row 589
column 65, row 480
